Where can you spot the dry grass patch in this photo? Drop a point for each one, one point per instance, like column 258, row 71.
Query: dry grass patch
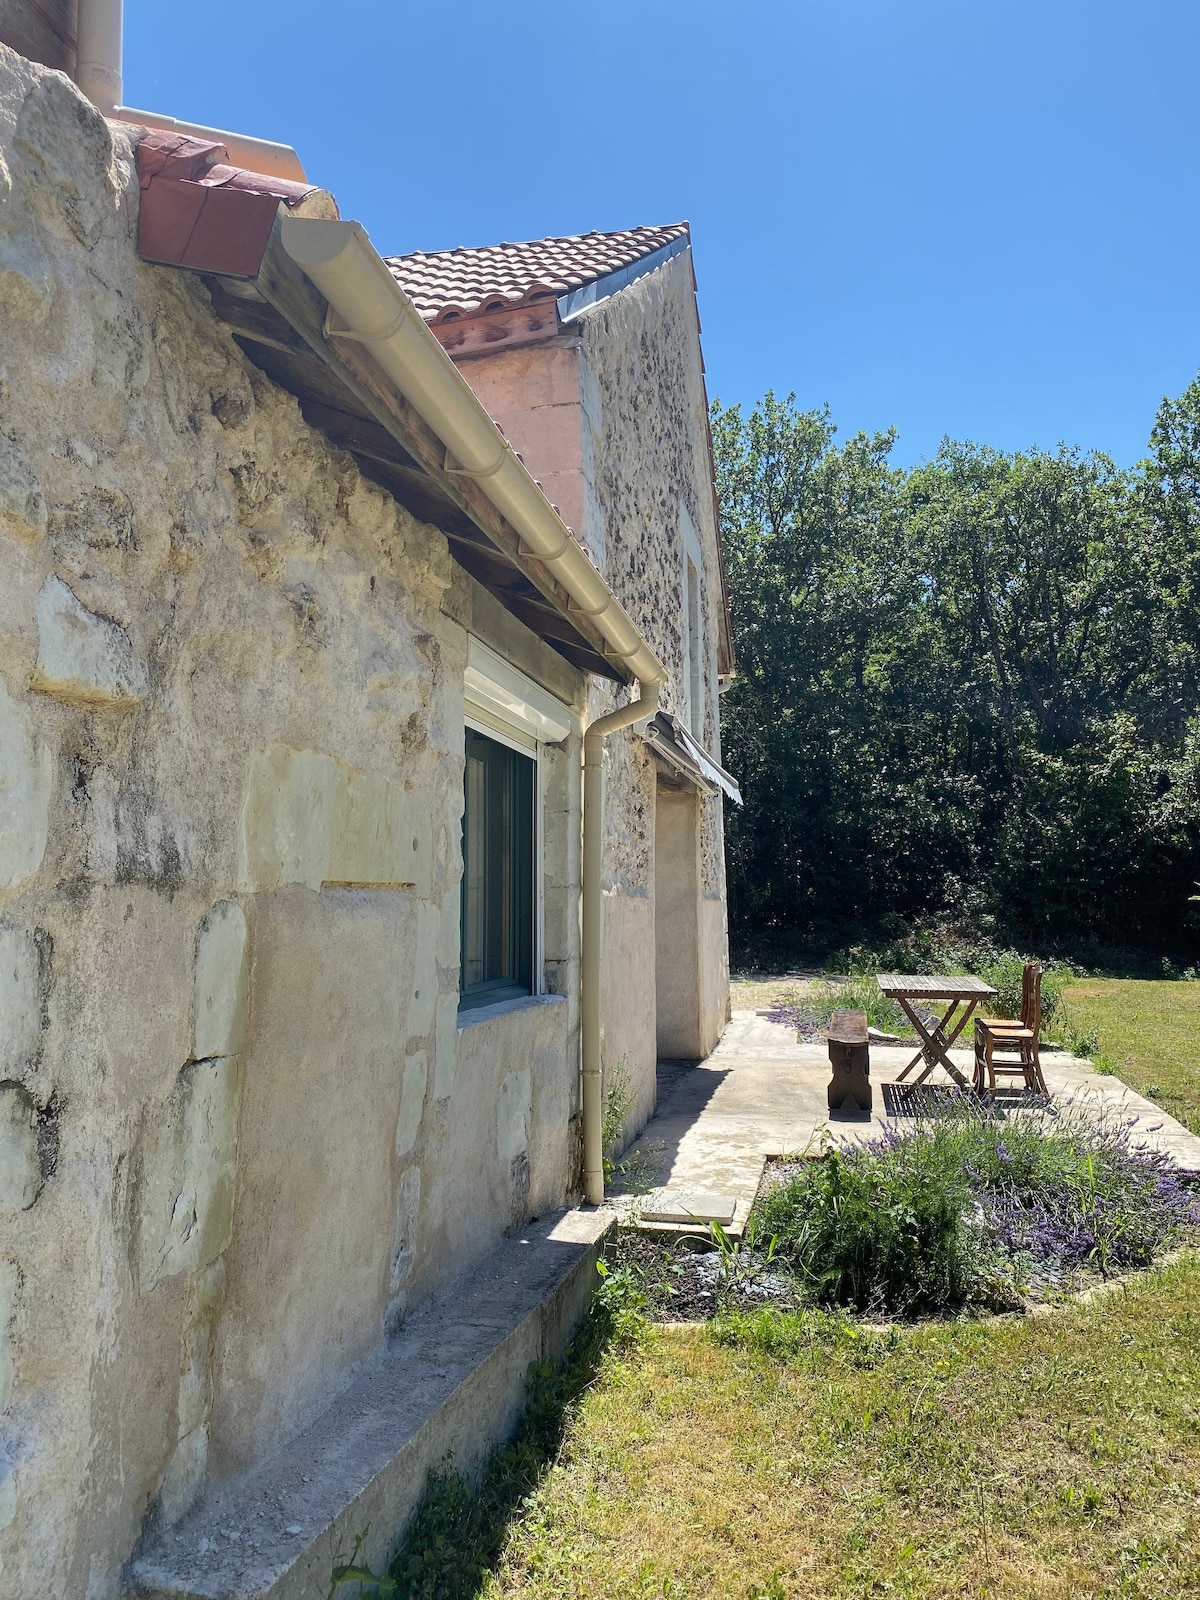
column 1052, row 1457
column 759, row 991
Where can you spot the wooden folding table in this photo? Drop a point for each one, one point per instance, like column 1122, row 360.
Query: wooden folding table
column 936, row 1033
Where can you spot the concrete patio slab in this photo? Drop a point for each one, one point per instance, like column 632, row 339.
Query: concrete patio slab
column 762, row 1094
column 671, row 1205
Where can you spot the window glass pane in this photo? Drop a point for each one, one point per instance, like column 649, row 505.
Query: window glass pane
column 474, row 862
column 497, row 894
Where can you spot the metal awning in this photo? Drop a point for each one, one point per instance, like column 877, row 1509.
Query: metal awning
column 685, row 759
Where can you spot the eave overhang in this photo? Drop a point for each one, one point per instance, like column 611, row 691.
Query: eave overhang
column 224, row 224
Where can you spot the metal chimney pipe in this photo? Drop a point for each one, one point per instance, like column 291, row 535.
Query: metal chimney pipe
column 98, row 53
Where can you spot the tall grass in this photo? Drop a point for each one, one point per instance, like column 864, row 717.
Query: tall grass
column 859, row 992
column 927, row 953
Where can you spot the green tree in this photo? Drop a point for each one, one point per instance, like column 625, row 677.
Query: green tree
column 974, row 683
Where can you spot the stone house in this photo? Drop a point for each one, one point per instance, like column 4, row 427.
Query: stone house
column 298, row 952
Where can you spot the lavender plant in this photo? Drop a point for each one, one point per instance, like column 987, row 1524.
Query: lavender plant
column 969, row 1206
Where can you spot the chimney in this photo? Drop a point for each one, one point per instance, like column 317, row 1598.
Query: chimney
column 98, row 53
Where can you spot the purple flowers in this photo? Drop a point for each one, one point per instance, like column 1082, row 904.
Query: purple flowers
column 1034, row 1197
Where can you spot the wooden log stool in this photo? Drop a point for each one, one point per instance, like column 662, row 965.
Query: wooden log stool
column 850, row 1058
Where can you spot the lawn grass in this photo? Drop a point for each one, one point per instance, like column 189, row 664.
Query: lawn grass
column 1148, row 1034
column 1047, row 1457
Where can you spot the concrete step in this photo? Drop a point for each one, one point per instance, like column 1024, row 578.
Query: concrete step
column 452, row 1380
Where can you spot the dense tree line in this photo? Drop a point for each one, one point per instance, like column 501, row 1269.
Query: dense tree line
column 970, row 688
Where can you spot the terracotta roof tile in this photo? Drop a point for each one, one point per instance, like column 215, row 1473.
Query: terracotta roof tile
column 445, row 284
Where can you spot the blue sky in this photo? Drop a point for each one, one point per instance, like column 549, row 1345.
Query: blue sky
column 974, row 217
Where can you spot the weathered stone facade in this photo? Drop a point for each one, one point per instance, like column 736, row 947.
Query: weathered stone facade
column 651, row 460
column 611, row 418
column 243, row 1126
column 239, row 1128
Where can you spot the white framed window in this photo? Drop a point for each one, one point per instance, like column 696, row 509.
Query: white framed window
column 509, row 719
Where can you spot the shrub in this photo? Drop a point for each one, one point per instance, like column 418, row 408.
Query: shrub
column 933, row 950
column 967, row 1206
column 878, row 1232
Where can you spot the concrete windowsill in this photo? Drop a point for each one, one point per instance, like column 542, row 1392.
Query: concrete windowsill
column 506, row 1008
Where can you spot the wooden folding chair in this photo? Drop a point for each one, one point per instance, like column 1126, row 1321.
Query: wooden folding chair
column 999, row 1036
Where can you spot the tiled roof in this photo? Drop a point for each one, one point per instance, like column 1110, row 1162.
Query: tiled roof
column 445, row 284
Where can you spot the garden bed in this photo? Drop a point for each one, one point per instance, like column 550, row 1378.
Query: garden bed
column 965, row 1212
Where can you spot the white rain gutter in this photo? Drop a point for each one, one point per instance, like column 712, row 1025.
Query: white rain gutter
column 98, row 73
column 368, row 305
column 593, row 930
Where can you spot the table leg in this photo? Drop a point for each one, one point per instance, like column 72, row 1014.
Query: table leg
column 919, row 1029
column 936, row 1042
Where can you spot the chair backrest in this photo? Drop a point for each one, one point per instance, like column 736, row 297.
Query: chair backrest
column 1031, row 997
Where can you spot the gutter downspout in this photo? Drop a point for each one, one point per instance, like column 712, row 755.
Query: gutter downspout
column 370, row 307
column 98, row 53
column 98, row 74
column 593, row 930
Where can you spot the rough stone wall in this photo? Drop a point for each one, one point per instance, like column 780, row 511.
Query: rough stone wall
column 641, row 351
column 235, row 1141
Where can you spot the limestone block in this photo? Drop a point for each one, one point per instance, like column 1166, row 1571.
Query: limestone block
column 20, row 1164
column 25, row 779
column 445, row 1046
column 448, row 948
column 8, row 1300
column 222, row 983
column 26, row 281
column 561, row 913
column 373, row 839
column 287, row 819
column 408, row 1204
column 423, row 1004
column 22, row 503
column 22, row 982
column 183, row 1194
column 8, row 1496
column 311, row 820
column 196, row 1367
column 184, row 1476
column 68, row 144
column 514, row 1110
column 83, row 658
column 412, row 1101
